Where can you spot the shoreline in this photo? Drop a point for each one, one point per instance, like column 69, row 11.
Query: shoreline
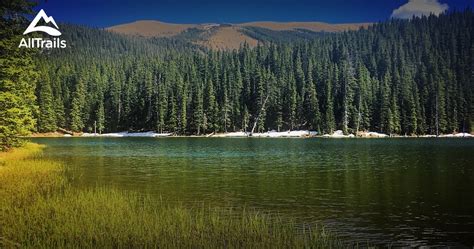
column 273, row 134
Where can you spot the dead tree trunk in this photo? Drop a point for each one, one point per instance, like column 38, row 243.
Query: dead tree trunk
column 65, row 131
column 258, row 116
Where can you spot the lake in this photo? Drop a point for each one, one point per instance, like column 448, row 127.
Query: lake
column 403, row 191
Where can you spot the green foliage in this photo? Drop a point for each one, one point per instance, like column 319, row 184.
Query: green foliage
column 78, row 106
column 268, row 35
column 17, row 77
column 46, row 120
column 400, row 76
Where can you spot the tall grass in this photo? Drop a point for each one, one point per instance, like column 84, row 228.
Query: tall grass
column 38, row 209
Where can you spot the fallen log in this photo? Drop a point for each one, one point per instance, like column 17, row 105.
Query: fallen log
column 65, row 131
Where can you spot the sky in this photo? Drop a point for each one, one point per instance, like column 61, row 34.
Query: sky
column 107, row 13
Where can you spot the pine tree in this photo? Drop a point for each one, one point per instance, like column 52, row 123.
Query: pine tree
column 225, row 112
column 198, row 112
column 311, row 101
column 100, row 116
column 183, row 94
column 172, row 113
column 347, row 94
column 78, row 103
column 47, row 116
column 292, row 103
column 245, row 119
column 279, row 111
column 211, row 107
column 410, row 95
column 17, row 77
column 300, row 89
column 162, row 103
column 58, row 101
column 330, row 122
column 385, row 113
column 261, row 98
column 362, row 95
column 404, row 77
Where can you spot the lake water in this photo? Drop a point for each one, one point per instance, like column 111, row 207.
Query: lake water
column 397, row 191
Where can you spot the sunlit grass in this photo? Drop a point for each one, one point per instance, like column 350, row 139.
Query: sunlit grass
column 38, row 209
column 26, row 152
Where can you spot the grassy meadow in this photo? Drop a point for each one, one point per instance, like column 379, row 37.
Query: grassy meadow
column 39, row 209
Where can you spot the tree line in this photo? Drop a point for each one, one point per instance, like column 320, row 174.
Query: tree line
column 398, row 77
column 18, row 76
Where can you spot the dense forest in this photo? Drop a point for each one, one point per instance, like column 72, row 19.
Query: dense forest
column 399, row 77
column 18, row 76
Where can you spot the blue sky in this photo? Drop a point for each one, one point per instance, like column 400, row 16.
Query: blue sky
column 111, row 12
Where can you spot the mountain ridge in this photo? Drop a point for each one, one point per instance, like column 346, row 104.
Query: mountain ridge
column 225, row 36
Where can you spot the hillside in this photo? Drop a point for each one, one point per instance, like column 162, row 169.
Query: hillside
column 311, row 26
column 148, row 28
column 395, row 77
column 231, row 36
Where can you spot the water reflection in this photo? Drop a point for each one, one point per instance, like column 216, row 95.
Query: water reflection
column 401, row 191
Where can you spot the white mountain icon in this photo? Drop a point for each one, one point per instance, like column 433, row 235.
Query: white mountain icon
column 49, row 30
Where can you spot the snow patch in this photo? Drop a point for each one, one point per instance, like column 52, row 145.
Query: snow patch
column 372, row 134
column 128, row 134
column 338, row 134
column 299, row 133
column 457, row 135
column 428, row 136
column 231, row 134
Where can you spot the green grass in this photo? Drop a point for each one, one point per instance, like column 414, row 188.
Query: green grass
column 38, row 209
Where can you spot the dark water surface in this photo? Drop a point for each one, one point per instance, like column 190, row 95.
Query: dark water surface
column 399, row 191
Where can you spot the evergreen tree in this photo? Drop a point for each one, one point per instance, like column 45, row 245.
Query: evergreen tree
column 311, row 101
column 399, row 76
column 47, row 116
column 78, row 103
column 18, row 76
column 100, row 115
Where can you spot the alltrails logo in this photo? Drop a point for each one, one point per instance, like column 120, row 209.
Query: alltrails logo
column 40, row 42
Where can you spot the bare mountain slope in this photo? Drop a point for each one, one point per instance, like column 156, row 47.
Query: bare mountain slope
column 150, row 28
column 227, row 38
column 230, row 36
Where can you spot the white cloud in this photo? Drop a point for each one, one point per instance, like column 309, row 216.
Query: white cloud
column 419, row 8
